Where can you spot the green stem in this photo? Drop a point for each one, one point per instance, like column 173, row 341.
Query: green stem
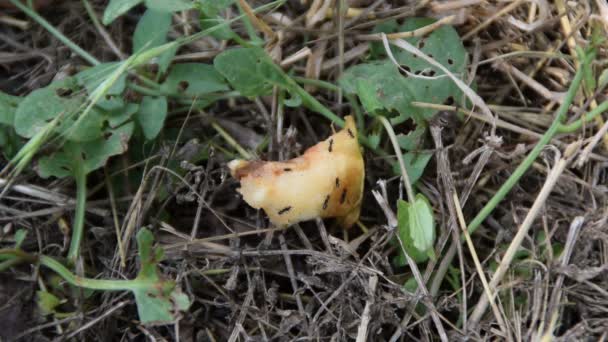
column 316, row 83
column 94, row 284
column 78, row 225
column 530, row 158
column 40, row 20
column 578, row 124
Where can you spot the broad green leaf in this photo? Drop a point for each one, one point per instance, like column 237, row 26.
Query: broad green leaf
column 47, row 302
column 151, row 115
column 116, row 8
column 169, row 6
column 385, row 89
column 88, row 155
column 158, row 300
column 416, row 227
column 241, row 67
column 194, row 79
column 43, row 105
column 151, row 31
column 10, row 141
column 415, row 163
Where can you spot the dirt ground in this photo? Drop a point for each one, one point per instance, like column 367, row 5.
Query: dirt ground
column 541, row 253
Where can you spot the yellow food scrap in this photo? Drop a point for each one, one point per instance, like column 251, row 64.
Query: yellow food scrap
column 326, row 181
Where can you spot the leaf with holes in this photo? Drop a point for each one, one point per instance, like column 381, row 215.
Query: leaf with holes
column 158, row 300
column 85, row 157
column 116, row 8
column 43, row 105
column 416, row 229
column 395, row 88
column 193, row 79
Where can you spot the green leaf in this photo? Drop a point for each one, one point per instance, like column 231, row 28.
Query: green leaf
column 158, row 300
column 88, row 155
column 413, row 140
column 415, row 163
column 416, row 227
column 92, row 78
column 242, row 68
column 47, row 302
column 116, row 8
column 43, row 105
column 212, row 8
column 169, row 6
column 151, row 31
column 10, row 141
column 151, row 115
column 121, row 115
column 384, row 89
column 8, row 106
column 193, row 79
column 20, row 236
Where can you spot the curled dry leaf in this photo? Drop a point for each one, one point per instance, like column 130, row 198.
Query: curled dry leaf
column 326, row 181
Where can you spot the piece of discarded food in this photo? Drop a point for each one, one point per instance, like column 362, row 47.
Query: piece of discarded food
column 326, row 181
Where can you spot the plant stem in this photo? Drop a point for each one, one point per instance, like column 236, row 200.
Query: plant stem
column 406, row 179
column 576, row 125
column 512, row 180
column 78, row 225
column 94, row 284
column 40, row 20
column 530, row 158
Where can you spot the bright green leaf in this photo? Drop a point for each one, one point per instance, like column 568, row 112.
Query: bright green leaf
column 151, row 115
column 422, row 224
column 403, row 227
column 416, row 227
column 193, row 79
column 169, row 6
column 116, row 8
